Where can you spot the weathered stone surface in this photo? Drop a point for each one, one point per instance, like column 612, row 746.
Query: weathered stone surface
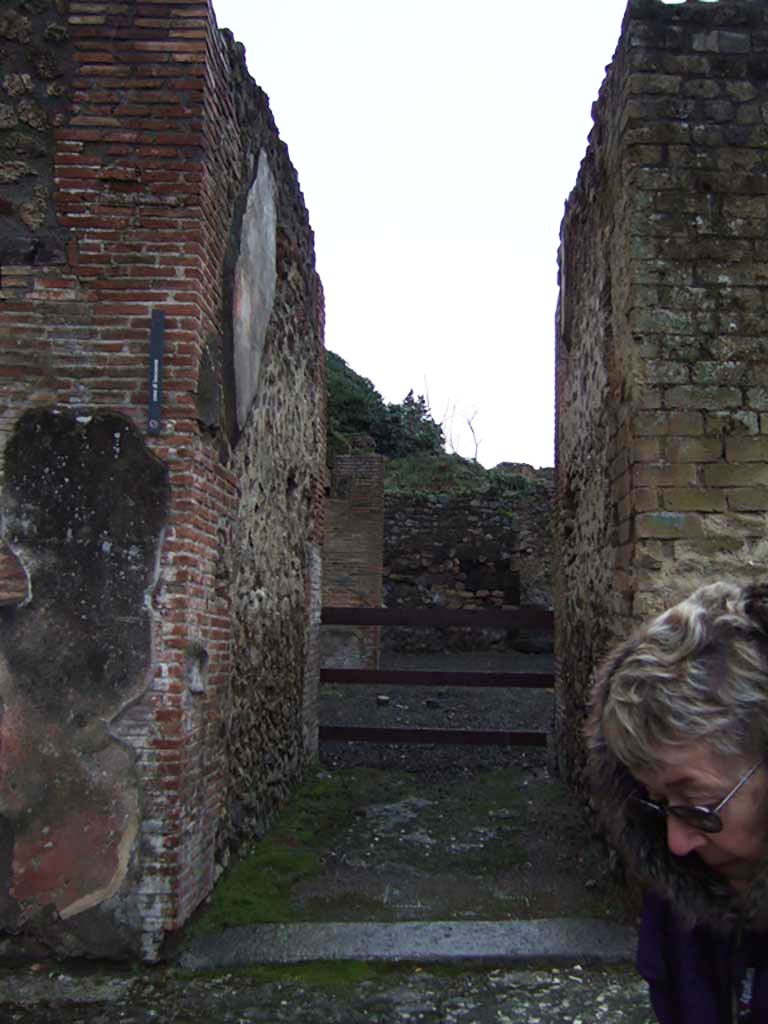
column 661, row 334
column 14, row 171
column 475, row 550
column 8, row 117
column 37, row 39
column 272, row 560
column 32, row 114
column 34, row 211
column 85, row 504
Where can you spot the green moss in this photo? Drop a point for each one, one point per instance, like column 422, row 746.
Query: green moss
column 257, row 888
column 495, row 822
column 429, row 473
column 434, row 474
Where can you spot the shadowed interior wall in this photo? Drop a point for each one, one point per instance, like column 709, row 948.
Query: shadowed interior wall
column 168, row 574
column 354, row 544
column 662, row 379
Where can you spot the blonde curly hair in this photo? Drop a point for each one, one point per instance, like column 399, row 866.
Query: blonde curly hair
column 697, row 672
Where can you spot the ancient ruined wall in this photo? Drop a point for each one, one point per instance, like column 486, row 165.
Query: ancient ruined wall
column 477, row 550
column 661, row 372
column 589, row 472
column 167, row 571
column 274, row 312
column 352, row 557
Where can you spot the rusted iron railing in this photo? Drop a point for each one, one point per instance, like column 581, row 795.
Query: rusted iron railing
column 527, row 617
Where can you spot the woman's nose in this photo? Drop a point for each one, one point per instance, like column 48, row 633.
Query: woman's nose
column 681, row 838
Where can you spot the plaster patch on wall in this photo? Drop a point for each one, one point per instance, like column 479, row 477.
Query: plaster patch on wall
column 254, row 286
column 84, row 503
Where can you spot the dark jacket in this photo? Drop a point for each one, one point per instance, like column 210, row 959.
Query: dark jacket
column 695, row 929
column 693, row 973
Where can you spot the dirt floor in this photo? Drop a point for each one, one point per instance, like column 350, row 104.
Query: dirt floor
column 319, row 994
column 458, row 832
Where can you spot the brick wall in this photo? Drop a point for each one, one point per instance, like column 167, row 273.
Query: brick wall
column 661, row 371
column 352, row 557
column 131, row 138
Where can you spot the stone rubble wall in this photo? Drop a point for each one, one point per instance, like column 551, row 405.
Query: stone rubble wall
column 662, row 414
column 141, row 171
column 487, row 550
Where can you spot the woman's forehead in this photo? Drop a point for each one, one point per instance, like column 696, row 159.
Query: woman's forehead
column 677, row 766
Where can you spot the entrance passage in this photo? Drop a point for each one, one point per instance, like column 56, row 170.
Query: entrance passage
column 526, row 617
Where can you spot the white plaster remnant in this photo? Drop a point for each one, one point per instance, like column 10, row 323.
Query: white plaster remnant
column 254, row 286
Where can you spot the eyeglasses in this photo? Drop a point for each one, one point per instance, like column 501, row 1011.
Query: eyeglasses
column 705, row 819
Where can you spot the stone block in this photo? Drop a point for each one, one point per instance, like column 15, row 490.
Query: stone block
column 757, row 399
column 653, row 84
column 689, row 65
column 730, row 475
column 694, row 499
column 720, row 111
column 747, row 499
column 658, row 132
column 707, row 548
column 661, row 271
column 650, row 398
column 706, row 41
column 726, row 529
column 704, row 88
column 740, row 421
column 746, row 449
column 646, row 499
column 668, row 525
column 749, row 113
column 745, row 206
column 703, row 398
column 664, row 474
column 686, row 423
column 694, row 449
column 664, row 371
column 645, row 154
column 738, row 159
column 733, row 42
column 647, row 450
column 651, row 424
column 741, row 91
column 708, row 135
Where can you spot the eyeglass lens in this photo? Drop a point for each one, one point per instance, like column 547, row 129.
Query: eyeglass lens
column 697, row 817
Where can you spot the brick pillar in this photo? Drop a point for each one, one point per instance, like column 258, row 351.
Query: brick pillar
column 138, row 139
column 352, row 555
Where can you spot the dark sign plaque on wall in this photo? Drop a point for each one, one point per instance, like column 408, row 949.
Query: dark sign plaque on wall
column 156, row 352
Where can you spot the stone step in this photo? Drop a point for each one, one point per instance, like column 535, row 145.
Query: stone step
column 545, row 941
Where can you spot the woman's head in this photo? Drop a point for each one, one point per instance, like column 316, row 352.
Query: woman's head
column 696, row 674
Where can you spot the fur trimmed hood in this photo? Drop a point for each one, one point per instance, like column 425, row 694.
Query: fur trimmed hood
column 695, row 892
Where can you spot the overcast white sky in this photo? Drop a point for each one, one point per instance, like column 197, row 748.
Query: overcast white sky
column 436, row 142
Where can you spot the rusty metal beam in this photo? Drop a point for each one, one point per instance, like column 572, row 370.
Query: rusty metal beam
column 381, row 677
column 468, row 737
column 480, row 618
